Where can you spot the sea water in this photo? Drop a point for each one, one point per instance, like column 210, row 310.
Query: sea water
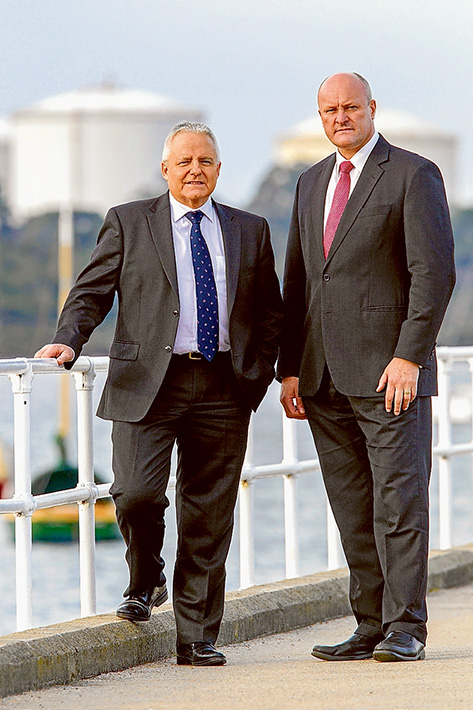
column 56, row 565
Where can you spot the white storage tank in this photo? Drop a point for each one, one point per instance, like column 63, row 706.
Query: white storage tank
column 307, row 143
column 90, row 149
column 5, row 150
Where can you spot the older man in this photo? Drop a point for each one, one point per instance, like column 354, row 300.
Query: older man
column 194, row 350
column 369, row 272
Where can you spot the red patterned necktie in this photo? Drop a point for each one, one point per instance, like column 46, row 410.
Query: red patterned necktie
column 340, row 199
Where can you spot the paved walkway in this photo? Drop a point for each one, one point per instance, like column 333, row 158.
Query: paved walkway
column 278, row 673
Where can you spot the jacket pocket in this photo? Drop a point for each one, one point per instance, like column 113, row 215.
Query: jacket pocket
column 384, row 308
column 124, row 351
column 375, row 210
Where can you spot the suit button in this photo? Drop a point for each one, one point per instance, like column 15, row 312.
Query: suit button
column 175, row 313
column 168, row 348
column 326, row 277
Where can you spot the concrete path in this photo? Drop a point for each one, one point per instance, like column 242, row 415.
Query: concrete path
column 278, row 673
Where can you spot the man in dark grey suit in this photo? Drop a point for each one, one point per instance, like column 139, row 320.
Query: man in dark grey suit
column 194, row 350
column 369, row 272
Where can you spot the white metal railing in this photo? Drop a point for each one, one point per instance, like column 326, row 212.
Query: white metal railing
column 22, row 372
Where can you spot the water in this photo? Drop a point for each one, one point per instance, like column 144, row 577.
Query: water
column 56, row 566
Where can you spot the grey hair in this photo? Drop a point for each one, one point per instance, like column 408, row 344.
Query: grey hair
column 189, row 127
column 366, row 86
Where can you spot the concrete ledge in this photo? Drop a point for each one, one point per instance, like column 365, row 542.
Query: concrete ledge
column 63, row 653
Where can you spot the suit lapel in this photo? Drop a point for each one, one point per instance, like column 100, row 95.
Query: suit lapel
column 370, row 175
column 159, row 220
column 231, row 233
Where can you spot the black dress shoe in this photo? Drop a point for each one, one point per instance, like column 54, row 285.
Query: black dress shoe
column 138, row 607
column 199, row 653
column 399, row 646
column 354, row 648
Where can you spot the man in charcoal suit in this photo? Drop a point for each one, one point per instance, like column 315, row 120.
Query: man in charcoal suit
column 194, row 350
column 369, row 272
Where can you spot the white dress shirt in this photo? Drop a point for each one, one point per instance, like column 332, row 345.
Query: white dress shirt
column 358, row 161
column 186, row 337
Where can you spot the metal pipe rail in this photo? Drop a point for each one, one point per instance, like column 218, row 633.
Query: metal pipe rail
column 22, row 371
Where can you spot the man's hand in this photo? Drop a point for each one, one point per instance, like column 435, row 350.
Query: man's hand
column 62, row 353
column 400, row 379
column 290, row 400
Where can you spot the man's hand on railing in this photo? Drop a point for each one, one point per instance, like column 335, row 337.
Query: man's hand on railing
column 62, row 353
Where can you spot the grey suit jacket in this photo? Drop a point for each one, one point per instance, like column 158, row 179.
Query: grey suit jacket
column 134, row 258
column 384, row 288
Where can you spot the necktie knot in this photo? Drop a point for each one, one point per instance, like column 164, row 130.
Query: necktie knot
column 194, row 217
column 346, row 166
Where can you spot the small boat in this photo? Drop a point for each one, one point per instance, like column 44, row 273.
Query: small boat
column 61, row 523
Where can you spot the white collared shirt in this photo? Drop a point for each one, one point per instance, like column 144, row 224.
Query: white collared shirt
column 186, row 337
column 358, row 161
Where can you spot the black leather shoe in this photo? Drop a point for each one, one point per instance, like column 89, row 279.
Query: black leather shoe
column 354, row 648
column 399, row 646
column 199, row 653
column 138, row 607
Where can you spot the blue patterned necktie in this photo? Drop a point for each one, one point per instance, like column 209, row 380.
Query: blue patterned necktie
column 205, row 289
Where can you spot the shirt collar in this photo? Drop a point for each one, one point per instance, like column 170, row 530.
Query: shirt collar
column 178, row 210
column 361, row 156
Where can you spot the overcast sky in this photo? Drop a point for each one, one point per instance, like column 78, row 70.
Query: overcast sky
column 253, row 66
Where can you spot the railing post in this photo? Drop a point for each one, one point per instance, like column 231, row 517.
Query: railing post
column 445, row 443
column 247, row 539
column 291, row 530
column 335, row 557
column 84, row 382
column 21, row 387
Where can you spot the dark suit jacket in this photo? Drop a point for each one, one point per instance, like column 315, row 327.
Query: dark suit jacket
column 384, row 288
column 134, row 258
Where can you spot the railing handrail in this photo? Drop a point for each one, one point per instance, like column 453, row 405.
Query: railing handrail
column 22, row 371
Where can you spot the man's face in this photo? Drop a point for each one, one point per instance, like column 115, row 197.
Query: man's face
column 347, row 116
column 191, row 169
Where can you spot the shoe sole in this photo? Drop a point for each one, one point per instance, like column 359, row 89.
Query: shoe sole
column 390, row 656
column 130, row 617
column 183, row 661
column 327, row 657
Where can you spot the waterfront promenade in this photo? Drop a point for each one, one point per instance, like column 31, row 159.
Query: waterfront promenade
column 266, row 669
column 278, row 673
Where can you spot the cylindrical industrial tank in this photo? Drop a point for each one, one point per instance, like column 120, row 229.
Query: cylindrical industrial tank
column 90, row 149
column 306, row 142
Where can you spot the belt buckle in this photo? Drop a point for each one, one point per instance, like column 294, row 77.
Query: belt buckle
column 195, row 356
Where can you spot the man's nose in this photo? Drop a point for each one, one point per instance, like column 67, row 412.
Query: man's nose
column 341, row 115
column 195, row 167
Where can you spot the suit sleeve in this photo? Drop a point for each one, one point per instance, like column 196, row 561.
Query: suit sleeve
column 430, row 262
column 92, row 295
column 294, row 296
column 269, row 306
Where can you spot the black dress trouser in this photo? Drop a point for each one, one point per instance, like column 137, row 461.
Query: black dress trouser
column 200, row 407
column 376, row 469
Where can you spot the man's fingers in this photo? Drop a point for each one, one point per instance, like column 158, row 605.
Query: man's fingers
column 292, row 404
column 62, row 353
column 382, row 382
column 398, row 400
column 390, row 391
